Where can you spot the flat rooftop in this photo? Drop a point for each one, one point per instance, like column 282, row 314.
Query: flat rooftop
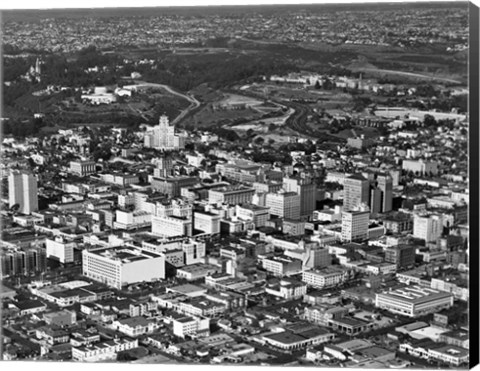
column 286, row 337
column 416, row 294
column 125, row 254
column 197, row 268
column 186, row 289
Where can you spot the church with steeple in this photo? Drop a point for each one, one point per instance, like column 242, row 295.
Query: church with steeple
column 35, row 72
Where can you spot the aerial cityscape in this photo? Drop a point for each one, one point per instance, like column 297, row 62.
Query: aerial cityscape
column 252, row 185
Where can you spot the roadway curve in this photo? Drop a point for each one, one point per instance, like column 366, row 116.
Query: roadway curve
column 410, row 74
column 194, row 103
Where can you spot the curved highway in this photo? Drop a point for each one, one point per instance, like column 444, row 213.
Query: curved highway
column 194, row 103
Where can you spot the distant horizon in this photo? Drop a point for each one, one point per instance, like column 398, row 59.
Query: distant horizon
column 55, row 5
column 133, row 11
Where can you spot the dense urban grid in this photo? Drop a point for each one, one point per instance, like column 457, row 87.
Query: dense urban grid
column 269, row 186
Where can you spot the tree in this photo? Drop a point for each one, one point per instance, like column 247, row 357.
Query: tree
column 429, row 120
column 14, row 208
column 259, row 140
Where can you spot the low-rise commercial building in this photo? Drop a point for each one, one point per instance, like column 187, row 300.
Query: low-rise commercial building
column 134, row 326
column 282, row 266
column 103, row 351
column 191, row 326
column 231, row 195
column 413, row 301
column 326, row 277
column 82, row 168
column 294, row 340
column 287, row 288
column 171, row 226
column 196, row 271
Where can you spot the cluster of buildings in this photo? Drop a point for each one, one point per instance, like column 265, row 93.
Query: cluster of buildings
column 351, row 255
column 396, row 27
column 169, row 247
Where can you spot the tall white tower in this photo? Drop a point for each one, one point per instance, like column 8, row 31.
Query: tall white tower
column 22, row 190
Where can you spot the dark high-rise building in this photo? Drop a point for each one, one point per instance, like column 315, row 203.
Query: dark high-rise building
column 381, row 195
column 306, row 188
column 402, row 255
column 23, row 262
column 355, row 192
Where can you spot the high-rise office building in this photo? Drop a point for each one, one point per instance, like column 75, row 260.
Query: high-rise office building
column 22, row 262
column 355, row 192
column 164, row 167
column 355, row 224
column 22, row 190
column 401, row 255
column 284, row 204
column 171, row 226
column 427, row 227
column 163, row 136
column 307, row 190
column 381, row 194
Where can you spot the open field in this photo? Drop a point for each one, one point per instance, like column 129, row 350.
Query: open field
column 227, row 109
column 410, row 75
column 233, row 99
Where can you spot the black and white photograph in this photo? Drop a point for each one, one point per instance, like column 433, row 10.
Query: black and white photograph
column 246, row 184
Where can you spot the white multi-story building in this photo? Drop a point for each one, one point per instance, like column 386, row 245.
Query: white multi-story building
column 174, row 207
column 284, row 204
column 191, row 251
column 420, row 166
column 355, row 225
column 194, row 251
column 328, row 215
column 134, row 326
column 22, row 191
column 335, row 177
column 121, row 179
column 326, row 277
column 103, row 351
column 82, row 168
column 195, row 160
column 287, row 288
column 282, row 266
column 163, row 136
column 190, row 326
column 231, row 195
column 60, row 249
column 257, row 214
column 413, row 301
column 117, row 267
column 382, row 268
column 311, row 257
column 132, row 219
column 206, row 222
column 170, row 226
column 427, row 227
column 126, row 200
column 450, row 354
